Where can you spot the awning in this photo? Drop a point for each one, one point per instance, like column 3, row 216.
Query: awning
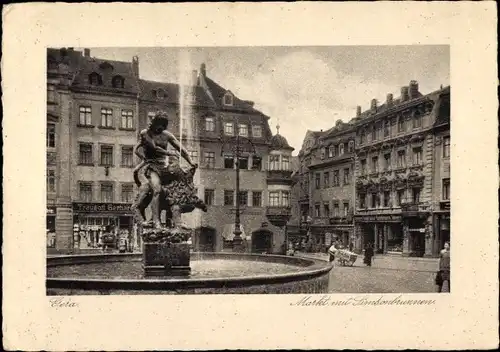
column 228, row 232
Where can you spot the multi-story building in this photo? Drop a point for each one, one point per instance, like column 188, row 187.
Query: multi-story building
column 332, row 186
column 394, row 171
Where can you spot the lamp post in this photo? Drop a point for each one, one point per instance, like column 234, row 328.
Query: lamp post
column 237, row 145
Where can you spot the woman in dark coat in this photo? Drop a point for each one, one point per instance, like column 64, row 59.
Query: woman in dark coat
column 369, row 253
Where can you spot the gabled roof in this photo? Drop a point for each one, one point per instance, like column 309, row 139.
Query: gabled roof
column 218, row 93
column 148, row 89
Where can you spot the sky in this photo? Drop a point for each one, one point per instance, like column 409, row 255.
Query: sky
column 301, row 88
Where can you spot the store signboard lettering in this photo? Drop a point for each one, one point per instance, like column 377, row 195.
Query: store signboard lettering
column 101, row 208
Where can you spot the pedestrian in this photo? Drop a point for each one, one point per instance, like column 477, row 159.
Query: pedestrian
column 369, row 253
column 332, row 251
column 443, row 274
column 351, row 246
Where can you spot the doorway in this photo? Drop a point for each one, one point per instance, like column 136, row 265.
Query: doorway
column 206, row 239
column 262, row 241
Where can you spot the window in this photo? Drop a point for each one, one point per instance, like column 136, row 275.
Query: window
column 85, row 116
column 51, row 94
column 184, row 124
column 347, row 176
column 336, row 181
column 106, row 155
column 374, row 133
column 86, row 157
column 228, row 99
column 257, row 198
column 118, row 82
column 106, row 117
column 127, row 192
column 285, row 162
column 417, row 120
column 243, row 130
column 331, row 151
column 95, row 79
column 209, row 160
column 127, row 119
column 285, row 198
column 243, row 197
column 326, row 209
column 363, row 166
column 228, row 197
column 322, row 153
column 387, row 126
column 161, row 94
column 209, row 124
column 256, row 162
column 243, row 162
column 417, row 156
column 362, row 137
column 346, row 209
column 106, row 192
column 274, row 199
column 193, row 154
column 51, row 135
column 401, row 125
column 350, row 147
column 228, row 128
column 416, row 195
column 257, row 131
column 341, row 149
column 127, row 156
column 400, row 196
column 85, row 190
column 228, row 161
column 326, row 180
column 375, row 164
column 387, row 199
column 446, row 189
column 362, row 200
column 336, row 210
column 317, row 180
column 401, row 158
column 274, row 162
column 446, row 147
column 317, row 210
column 209, row 196
column 375, row 200
column 387, row 161
column 151, row 114
column 51, row 181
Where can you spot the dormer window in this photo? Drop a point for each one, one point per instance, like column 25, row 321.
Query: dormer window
column 228, row 99
column 161, row 94
column 331, row 151
column 322, row 153
column 95, row 79
column 350, row 146
column 118, row 82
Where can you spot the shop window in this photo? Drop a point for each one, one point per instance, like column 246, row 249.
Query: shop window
column 127, row 119
column 209, row 160
column 209, row 196
column 256, row 163
column 326, row 209
column 256, row 198
column 85, row 116
column 106, row 155
column 243, row 162
column 243, row 198
column 326, row 180
column 85, row 190
column 85, row 154
column 228, row 161
column 229, row 197
column 446, row 189
column 209, row 124
column 257, row 131
column 51, row 135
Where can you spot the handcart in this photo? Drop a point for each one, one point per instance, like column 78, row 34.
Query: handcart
column 344, row 257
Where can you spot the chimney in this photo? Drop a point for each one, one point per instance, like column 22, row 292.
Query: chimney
column 194, row 78
column 373, row 105
column 86, row 52
column 389, row 99
column 404, row 94
column 358, row 111
column 413, row 90
column 135, row 66
column 203, row 70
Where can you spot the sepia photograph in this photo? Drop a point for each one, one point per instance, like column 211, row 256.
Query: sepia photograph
column 286, row 169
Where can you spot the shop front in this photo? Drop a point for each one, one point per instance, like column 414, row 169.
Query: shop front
column 441, row 227
column 51, row 226
column 384, row 232
column 94, row 220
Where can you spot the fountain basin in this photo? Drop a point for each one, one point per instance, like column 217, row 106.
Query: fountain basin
column 212, row 273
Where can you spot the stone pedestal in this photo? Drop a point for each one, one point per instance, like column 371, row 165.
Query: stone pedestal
column 166, row 252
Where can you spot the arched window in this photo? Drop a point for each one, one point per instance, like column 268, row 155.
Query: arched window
column 95, row 79
column 350, row 146
column 118, row 82
column 228, row 99
column 161, row 94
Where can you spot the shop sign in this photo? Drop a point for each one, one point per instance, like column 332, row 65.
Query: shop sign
column 51, row 210
column 101, row 208
column 380, row 218
column 319, row 222
column 422, row 230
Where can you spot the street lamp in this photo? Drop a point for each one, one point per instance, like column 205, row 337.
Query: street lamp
column 237, row 145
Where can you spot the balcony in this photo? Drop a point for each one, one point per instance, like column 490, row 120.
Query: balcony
column 414, row 209
column 278, row 215
column 281, row 177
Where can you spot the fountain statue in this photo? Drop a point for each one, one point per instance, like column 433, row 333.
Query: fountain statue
column 164, row 186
